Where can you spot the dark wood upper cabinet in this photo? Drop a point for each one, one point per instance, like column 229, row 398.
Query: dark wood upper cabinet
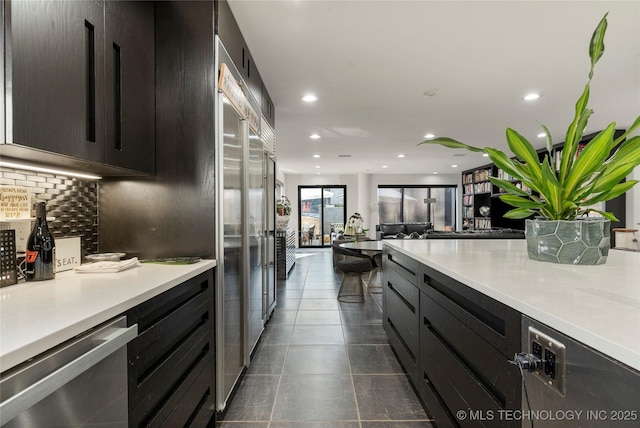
column 79, row 80
column 56, row 77
column 130, row 85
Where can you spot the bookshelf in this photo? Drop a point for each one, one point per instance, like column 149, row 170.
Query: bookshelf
column 477, row 191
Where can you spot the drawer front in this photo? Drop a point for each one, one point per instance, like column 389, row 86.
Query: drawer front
column 195, row 404
column 407, row 267
column 174, row 346
column 436, row 406
column 153, row 344
column 480, row 357
column 402, row 311
column 496, row 323
column 457, row 386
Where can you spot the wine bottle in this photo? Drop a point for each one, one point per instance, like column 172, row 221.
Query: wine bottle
column 41, row 249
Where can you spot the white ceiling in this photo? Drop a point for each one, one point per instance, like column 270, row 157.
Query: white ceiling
column 370, row 63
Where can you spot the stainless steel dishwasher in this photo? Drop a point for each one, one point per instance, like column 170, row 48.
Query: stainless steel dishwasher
column 82, row 382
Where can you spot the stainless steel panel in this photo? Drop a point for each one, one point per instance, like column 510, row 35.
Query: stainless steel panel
column 82, row 382
column 599, row 391
column 230, row 311
column 255, row 222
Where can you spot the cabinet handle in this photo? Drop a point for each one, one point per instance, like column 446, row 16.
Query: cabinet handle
column 117, row 97
column 90, row 49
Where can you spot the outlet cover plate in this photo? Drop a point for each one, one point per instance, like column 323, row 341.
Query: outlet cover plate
column 548, row 343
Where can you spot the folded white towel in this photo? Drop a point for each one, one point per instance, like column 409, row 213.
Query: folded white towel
column 107, row 267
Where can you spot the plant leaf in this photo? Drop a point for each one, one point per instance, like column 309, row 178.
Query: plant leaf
column 615, row 191
column 596, row 47
column 628, row 151
column 508, row 186
column 605, row 214
column 573, row 135
column 632, row 128
column 612, row 176
column 504, row 162
column 524, row 151
column 451, row 143
column 519, row 213
column 551, row 187
column 519, row 202
column 590, row 159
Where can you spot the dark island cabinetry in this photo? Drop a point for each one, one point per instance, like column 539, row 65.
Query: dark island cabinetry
column 79, row 77
column 454, row 343
column 171, row 362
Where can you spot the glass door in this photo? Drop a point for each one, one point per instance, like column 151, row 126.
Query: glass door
column 322, row 214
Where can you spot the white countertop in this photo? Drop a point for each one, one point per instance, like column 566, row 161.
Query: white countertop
column 36, row 316
column 596, row 305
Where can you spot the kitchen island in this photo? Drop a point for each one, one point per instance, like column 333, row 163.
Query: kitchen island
column 36, row 316
column 596, row 305
column 457, row 311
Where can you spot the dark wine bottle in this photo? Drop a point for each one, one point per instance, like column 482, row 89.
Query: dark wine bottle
column 41, row 249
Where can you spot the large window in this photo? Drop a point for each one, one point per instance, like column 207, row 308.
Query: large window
column 411, row 204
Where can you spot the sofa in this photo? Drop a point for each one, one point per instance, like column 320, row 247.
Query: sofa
column 401, row 230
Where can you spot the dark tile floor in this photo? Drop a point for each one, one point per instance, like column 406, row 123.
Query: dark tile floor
column 323, row 364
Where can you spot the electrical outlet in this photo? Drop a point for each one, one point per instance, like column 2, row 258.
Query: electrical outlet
column 553, row 355
column 550, row 363
column 536, row 349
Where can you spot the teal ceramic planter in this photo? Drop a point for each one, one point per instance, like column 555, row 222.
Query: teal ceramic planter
column 578, row 242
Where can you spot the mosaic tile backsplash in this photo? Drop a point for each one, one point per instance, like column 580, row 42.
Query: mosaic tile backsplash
column 71, row 201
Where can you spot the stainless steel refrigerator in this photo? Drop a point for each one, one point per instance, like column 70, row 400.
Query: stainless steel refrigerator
column 244, row 226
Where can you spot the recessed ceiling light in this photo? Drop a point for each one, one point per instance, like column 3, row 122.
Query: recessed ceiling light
column 486, row 155
column 541, row 135
column 317, row 166
column 435, row 172
column 314, row 136
column 316, row 155
column 309, row 98
column 454, row 166
column 532, row 96
column 429, row 135
column 385, row 166
column 401, row 155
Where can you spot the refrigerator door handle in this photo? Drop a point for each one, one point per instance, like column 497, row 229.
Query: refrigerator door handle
column 44, row 387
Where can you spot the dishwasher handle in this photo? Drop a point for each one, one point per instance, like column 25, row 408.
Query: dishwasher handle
column 44, row 387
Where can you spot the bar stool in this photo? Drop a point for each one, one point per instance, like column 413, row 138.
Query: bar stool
column 352, row 264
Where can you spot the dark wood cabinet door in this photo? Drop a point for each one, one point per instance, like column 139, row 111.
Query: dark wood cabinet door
column 56, row 76
column 130, row 85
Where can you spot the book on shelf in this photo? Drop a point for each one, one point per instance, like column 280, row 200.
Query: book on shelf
column 468, row 189
column 483, row 223
column 485, row 187
column 467, row 200
column 481, row 175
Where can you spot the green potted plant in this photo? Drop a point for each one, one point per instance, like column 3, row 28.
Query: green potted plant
column 560, row 197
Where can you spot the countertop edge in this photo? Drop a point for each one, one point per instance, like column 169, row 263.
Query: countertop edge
column 29, row 350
